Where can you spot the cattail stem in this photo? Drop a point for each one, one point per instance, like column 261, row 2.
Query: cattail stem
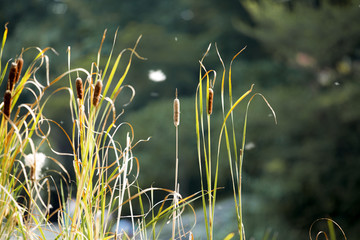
column 97, row 92
column 176, row 123
column 12, row 77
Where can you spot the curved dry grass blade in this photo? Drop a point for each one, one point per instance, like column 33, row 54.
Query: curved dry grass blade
column 133, row 52
column 206, row 53
column 231, row 103
column 230, row 73
column 166, row 212
column 102, row 41
column 322, row 232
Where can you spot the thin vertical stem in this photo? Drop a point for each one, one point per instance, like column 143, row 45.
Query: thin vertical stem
column 211, row 211
column 176, row 188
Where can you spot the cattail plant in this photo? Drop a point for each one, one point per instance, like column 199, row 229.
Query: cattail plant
column 204, row 144
column 235, row 155
column 102, row 165
column 176, row 124
column 20, row 63
column 79, row 89
column 203, row 109
column 176, row 110
column 7, row 103
column 97, row 92
column 12, row 76
column 210, row 101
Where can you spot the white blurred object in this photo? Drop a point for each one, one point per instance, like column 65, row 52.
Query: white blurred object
column 35, row 161
column 157, row 75
column 250, row 145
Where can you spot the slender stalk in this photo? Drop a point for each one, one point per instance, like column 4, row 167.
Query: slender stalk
column 176, row 189
column 209, row 179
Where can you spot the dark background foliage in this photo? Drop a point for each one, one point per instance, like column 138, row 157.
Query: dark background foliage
column 304, row 56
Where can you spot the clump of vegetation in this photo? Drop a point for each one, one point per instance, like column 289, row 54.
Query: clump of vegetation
column 106, row 170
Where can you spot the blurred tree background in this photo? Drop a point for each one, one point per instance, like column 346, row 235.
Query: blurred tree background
column 304, row 56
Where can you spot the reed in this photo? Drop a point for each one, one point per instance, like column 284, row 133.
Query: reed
column 204, row 109
column 103, row 168
column 176, row 187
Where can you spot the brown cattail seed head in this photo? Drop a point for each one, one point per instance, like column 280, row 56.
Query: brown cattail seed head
column 210, row 101
column 12, row 76
column 176, row 110
column 20, row 63
column 79, row 88
column 7, row 103
column 97, row 91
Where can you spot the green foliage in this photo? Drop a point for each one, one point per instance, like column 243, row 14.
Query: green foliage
column 326, row 34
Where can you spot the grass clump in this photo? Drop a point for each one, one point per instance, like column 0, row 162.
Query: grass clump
column 203, row 110
column 22, row 207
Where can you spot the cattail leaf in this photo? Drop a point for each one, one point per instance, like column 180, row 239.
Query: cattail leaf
column 111, row 53
column 229, row 236
column 230, row 84
column 228, row 114
column 99, row 51
column 4, row 72
column 112, row 73
column 133, row 52
column 1, row 52
column 231, row 104
column 3, row 43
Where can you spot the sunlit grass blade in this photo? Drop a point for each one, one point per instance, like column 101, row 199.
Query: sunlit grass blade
column 2, row 48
